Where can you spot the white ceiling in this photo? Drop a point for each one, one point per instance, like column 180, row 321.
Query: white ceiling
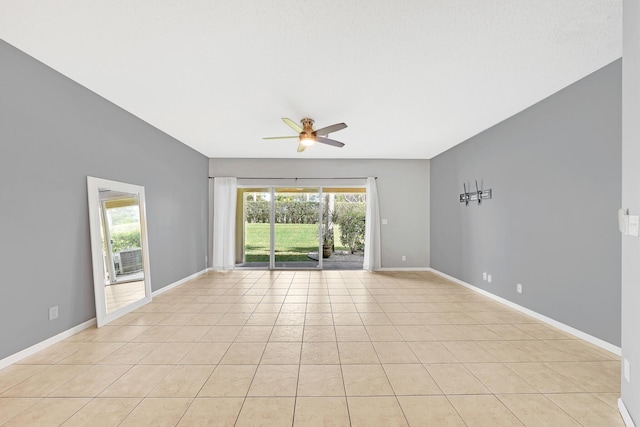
column 411, row 78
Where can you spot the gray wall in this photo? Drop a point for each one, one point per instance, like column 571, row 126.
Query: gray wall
column 552, row 223
column 631, row 200
column 403, row 193
column 53, row 133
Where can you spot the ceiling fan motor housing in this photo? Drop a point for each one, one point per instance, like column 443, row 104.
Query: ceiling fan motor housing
column 308, row 135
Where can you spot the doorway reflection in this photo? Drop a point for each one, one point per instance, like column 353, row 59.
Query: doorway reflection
column 121, row 233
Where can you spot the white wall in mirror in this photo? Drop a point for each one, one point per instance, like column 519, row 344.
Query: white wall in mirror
column 119, row 248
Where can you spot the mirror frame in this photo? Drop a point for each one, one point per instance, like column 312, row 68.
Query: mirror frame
column 97, row 254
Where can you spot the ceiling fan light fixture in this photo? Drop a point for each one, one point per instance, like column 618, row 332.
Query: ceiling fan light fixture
column 307, row 140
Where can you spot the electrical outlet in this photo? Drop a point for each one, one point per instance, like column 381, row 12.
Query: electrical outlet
column 404, row 258
column 53, row 313
column 384, row 221
column 627, row 370
column 519, row 288
column 489, row 278
column 484, row 276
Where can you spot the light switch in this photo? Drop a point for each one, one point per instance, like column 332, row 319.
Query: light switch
column 384, row 221
column 634, row 223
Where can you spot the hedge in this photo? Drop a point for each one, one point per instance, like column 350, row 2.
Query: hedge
column 124, row 240
column 286, row 212
column 351, row 219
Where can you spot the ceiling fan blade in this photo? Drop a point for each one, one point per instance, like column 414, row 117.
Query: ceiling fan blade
column 281, row 137
column 329, row 141
column 293, row 125
column 329, row 129
column 301, row 148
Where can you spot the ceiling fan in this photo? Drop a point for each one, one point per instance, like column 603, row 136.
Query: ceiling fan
column 307, row 136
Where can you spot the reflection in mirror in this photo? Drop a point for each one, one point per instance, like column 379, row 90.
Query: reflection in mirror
column 121, row 247
column 118, row 241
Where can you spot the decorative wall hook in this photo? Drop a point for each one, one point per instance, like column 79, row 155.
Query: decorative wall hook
column 465, row 196
column 478, row 195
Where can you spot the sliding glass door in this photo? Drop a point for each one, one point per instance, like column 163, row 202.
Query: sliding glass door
column 253, row 227
column 296, row 228
column 300, row 228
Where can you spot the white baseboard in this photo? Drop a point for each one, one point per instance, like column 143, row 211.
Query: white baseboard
column 403, row 269
column 566, row 328
column 178, row 283
column 10, row 360
column 626, row 416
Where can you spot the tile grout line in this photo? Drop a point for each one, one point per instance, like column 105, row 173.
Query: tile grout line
column 254, row 373
column 205, row 381
column 344, row 385
column 387, row 376
column 304, row 323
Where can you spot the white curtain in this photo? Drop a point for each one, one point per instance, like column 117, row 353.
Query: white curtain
column 224, row 223
column 372, row 228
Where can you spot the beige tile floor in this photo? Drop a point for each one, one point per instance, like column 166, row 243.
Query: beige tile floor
column 335, row 348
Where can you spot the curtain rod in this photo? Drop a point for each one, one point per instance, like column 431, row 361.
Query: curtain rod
column 257, row 177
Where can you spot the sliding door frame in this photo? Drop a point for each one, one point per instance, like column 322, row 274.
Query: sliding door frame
column 272, row 196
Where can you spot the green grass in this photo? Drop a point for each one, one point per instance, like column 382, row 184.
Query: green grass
column 293, row 242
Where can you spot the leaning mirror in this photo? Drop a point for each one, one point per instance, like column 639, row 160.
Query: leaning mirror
column 119, row 248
